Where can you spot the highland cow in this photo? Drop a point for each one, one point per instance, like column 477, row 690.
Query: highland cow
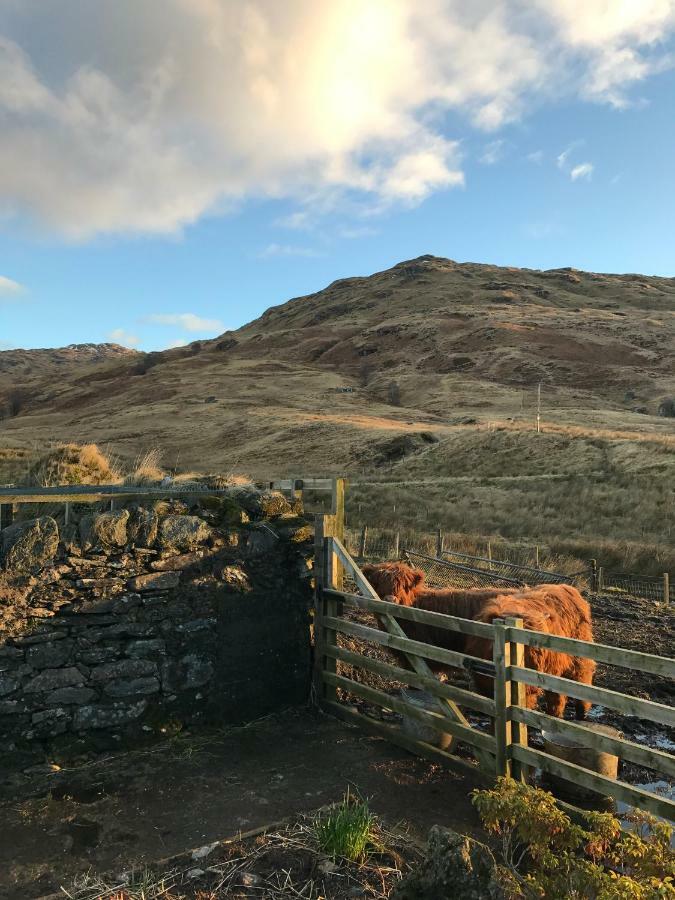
column 404, row 585
column 554, row 609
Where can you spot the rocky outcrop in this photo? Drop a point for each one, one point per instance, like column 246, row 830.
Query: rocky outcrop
column 454, row 866
column 26, row 546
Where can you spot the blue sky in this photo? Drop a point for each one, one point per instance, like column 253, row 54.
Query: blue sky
column 175, row 248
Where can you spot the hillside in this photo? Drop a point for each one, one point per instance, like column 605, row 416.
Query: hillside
column 376, row 371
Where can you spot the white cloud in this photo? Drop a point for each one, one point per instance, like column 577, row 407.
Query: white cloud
column 272, row 250
column 583, row 170
column 492, row 153
column 179, row 342
column 179, row 108
column 187, row 321
column 10, row 287
column 536, row 157
column 297, row 221
column 562, row 158
column 120, row 336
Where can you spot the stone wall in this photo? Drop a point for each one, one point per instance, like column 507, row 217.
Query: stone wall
column 131, row 624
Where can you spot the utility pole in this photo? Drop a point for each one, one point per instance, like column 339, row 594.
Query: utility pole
column 539, row 407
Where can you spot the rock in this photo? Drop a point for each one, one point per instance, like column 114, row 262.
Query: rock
column 454, row 866
column 130, row 687
column 175, row 563
column 667, row 408
column 86, row 529
column 154, row 581
column 112, row 716
column 235, row 578
column 49, row 656
column 165, row 508
column 203, row 852
column 142, row 527
column 124, row 668
column 7, row 685
column 49, row 722
column 26, row 546
column 11, row 707
column 261, row 542
column 40, row 637
column 75, row 695
column 110, row 529
column 51, row 679
column 262, row 504
column 139, row 649
column 182, row 532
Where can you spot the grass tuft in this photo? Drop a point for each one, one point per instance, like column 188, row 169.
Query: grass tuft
column 347, row 830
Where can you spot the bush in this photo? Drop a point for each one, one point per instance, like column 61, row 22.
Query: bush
column 545, row 855
column 346, row 831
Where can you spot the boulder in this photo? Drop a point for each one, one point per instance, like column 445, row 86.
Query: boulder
column 53, row 679
column 262, row 504
column 454, row 866
column 110, row 528
column 27, row 546
column 125, row 668
column 142, row 527
column 182, row 532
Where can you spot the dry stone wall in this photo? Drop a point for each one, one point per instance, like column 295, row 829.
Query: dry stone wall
column 128, row 624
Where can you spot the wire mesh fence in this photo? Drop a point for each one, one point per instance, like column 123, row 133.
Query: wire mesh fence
column 651, row 587
column 447, row 567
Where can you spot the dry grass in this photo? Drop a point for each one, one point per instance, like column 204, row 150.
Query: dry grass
column 73, row 464
column 147, row 470
column 280, row 864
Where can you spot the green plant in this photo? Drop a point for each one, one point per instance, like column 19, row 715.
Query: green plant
column 544, row 854
column 346, row 830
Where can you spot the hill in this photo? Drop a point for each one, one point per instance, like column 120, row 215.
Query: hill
column 324, row 382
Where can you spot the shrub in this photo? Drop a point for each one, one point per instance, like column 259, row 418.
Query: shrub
column 346, row 830
column 545, row 855
column 73, row 464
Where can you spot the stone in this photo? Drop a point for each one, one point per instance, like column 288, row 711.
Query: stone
column 182, row 532
column 261, row 542
column 154, row 581
column 139, row 649
column 454, row 866
column 7, row 685
column 95, row 655
column 110, row 716
column 51, row 679
column 262, row 504
column 235, row 578
column 124, row 668
column 49, row 722
column 125, row 603
column 40, row 637
column 26, row 546
column 77, row 695
column 49, row 656
column 110, row 528
column 87, row 536
column 130, row 687
column 9, row 652
column 188, row 673
column 175, row 563
column 11, row 707
column 142, row 527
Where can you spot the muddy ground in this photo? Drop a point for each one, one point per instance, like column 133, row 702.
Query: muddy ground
column 110, row 814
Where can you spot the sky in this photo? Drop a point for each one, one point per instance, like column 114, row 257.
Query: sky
column 169, row 169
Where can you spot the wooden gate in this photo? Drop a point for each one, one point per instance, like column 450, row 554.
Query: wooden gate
column 506, row 750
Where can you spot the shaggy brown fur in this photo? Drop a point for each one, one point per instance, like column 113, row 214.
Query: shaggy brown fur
column 552, row 608
column 404, row 585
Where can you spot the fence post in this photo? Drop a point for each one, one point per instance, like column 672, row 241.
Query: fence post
column 517, row 697
column 338, row 516
column 489, row 553
column 600, row 579
column 594, row 575
column 6, row 514
column 501, row 658
column 324, row 576
column 536, row 556
column 397, row 545
column 439, row 544
column 363, row 541
column 666, row 587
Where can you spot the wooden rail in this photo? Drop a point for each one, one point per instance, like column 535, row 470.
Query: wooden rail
column 506, row 752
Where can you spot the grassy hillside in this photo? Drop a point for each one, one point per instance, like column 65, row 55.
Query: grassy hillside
column 425, row 374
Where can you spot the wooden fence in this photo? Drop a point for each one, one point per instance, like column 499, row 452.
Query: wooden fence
column 506, row 750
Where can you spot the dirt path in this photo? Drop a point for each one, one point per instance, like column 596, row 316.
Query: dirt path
column 139, row 807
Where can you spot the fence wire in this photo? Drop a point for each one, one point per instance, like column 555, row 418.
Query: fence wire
column 651, row 587
column 521, row 574
column 443, row 573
